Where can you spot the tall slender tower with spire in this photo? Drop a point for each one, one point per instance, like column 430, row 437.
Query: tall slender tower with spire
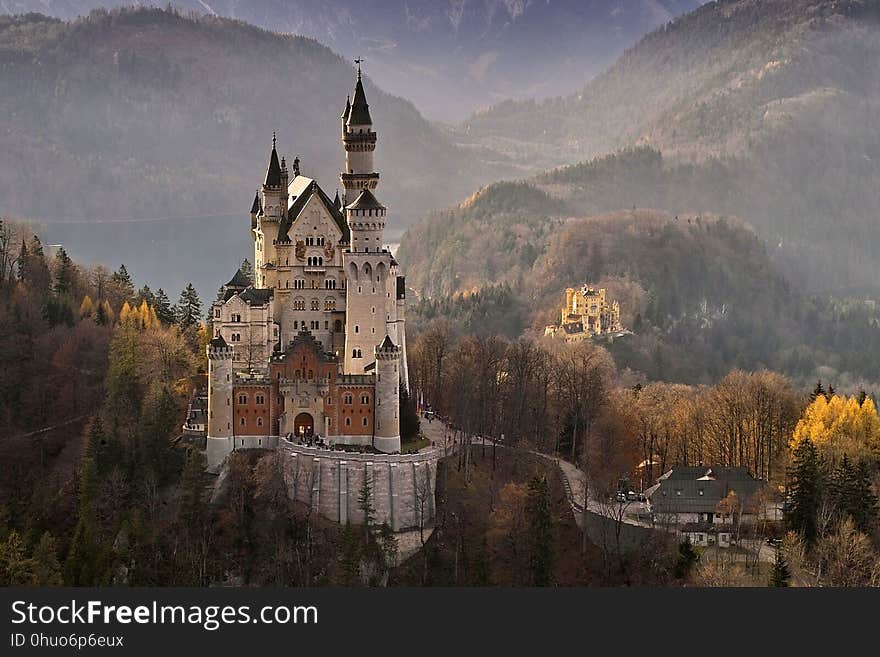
column 359, row 142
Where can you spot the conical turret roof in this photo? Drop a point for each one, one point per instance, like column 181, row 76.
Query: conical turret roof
column 273, row 174
column 360, row 109
column 255, row 208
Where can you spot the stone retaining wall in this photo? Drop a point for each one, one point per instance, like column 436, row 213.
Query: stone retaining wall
column 401, row 486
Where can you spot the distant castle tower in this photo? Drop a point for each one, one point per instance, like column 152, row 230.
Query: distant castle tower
column 387, row 396
column 220, row 379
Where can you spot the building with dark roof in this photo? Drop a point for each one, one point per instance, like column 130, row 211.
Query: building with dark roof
column 695, row 494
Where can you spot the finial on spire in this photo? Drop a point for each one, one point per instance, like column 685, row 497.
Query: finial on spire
column 358, row 61
column 273, row 139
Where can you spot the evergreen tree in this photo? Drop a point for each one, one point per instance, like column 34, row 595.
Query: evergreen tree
column 410, row 425
column 248, row 270
column 686, row 559
column 123, row 287
column 365, row 504
column 47, row 569
column 33, row 270
column 817, row 391
column 189, row 308
column 781, row 575
column 861, row 397
column 16, row 568
column 164, row 309
column 805, row 489
column 145, row 294
column 540, row 528
column 65, row 273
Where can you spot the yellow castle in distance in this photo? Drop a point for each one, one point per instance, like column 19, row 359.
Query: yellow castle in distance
column 587, row 313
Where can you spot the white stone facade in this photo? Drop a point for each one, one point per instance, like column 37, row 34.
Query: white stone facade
column 320, row 269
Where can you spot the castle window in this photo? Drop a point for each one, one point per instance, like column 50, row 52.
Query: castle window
column 315, row 304
column 347, row 399
column 259, row 421
column 295, row 324
column 348, row 421
column 243, row 422
column 357, row 328
column 364, row 421
column 217, row 313
column 365, row 399
column 311, row 374
column 260, row 400
column 329, row 401
column 242, row 399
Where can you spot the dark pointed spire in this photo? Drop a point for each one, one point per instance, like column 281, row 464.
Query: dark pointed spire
column 296, row 166
column 255, row 208
column 273, row 174
column 347, row 110
column 337, row 202
column 360, row 110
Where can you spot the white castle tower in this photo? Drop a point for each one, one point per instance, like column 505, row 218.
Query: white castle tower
column 387, row 396
column 220, row 380
column 359, row 142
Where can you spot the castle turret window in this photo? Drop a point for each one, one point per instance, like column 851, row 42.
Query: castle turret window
column 364, row 422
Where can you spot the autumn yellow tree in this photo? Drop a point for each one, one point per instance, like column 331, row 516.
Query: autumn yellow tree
column 839, row 426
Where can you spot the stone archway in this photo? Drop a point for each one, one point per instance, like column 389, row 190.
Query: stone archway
column 303, row 425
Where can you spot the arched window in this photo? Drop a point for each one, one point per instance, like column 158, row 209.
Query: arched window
column 243, row 422
column 259, row 421
column 348, row 421
column 347, row 399
column 365, row 399
column 364, row 421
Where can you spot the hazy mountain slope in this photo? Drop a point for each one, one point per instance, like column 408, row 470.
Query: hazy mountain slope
column 448, row 56
column 777, row 102
column 702, row 293
column 148, row 114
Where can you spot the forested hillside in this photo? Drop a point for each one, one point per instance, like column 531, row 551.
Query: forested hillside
column 149, row 115
column 773, row 104
column 701, row 291
column 448, row 56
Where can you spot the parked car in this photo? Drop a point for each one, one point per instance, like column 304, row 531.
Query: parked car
column 621, row 496
column 631, row 496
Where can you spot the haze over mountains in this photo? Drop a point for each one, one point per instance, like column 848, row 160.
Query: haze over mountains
column 450, row 57
column 149, row 115
column 771, row 108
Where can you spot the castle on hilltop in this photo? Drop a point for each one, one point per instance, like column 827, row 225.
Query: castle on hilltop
column 586, row 313
column 313, row 349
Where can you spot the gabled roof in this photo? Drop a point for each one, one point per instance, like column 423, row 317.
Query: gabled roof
column 305, row 339
column 240, row 280
column 360, row 110
column 256, row 296
column 301, row 189
column 365, row 201
column 273, row 173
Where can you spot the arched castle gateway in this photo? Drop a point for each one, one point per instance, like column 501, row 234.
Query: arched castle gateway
column 311, row 354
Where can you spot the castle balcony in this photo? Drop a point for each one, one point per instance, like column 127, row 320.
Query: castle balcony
column 315, row 269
